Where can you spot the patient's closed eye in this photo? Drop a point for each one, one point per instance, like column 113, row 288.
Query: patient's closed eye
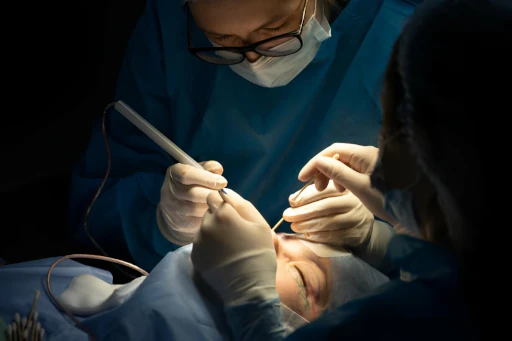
column 302, row 278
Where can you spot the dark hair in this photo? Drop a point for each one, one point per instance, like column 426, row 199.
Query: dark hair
column 452, row 60
column 453, row 63
column 336, row 6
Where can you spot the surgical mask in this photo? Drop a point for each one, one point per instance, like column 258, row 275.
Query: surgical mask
column 398, row 203
column 291, row 320
column 273, row 72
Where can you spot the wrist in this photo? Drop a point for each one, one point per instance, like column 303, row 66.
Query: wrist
column 374, row 250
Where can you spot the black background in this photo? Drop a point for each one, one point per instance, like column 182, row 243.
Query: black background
column 60, row 63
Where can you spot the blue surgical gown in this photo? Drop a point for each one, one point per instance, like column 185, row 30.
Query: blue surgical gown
column 18, row 285
column 261, row 136
column 170, row 304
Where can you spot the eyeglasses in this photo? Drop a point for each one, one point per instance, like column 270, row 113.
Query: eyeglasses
column 278, row 46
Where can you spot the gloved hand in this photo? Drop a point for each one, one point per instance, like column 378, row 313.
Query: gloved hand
column 330, row 216
column 234, row 251
column 352, row 171
column 183, row 199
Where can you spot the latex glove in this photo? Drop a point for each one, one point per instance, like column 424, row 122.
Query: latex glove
column 330, row 216
column 352, row 171
column 183, row 199
column 234, row 251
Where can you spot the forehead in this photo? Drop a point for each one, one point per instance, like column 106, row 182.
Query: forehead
column 230, row 14
column 296, row 248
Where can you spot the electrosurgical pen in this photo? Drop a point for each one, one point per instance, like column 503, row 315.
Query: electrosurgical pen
column 154, row 134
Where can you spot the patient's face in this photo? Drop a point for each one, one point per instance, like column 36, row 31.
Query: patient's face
column 303, row 279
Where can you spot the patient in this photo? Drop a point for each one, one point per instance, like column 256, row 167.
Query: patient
column 172, row 303
column 314, row 277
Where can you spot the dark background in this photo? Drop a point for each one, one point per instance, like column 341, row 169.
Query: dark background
column 60, row 64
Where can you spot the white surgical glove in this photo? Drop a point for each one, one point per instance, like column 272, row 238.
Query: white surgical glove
column 234, row 251
column 352, row 171
column 183, row 199
column 330, row 216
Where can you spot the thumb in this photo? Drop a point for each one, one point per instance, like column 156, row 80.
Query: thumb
column 228, row 215
column 244, row 207
column 340, row 173
column 212, row 167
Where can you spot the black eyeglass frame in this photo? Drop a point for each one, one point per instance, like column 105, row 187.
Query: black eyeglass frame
column 251, row 48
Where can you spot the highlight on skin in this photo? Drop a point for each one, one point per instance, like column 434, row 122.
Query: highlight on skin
column 302, row 277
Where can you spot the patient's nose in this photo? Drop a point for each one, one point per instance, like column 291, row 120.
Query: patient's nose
column 275, row 239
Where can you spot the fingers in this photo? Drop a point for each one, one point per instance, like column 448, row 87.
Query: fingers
column 321, row 182
column 322, row 208
column 347, row 220
column 212, row 167
column 359, row 158
column 173, row 205
column 195, row 194
column 342, row 149
column 357, row 183
column 189, row 175
column 181, row 223
column 340, row 173
column 221, row 215
column 350, row 237
column 339, row 187
column 311, row 194
column 244, row 208
column 214, row 201
column 233, row 198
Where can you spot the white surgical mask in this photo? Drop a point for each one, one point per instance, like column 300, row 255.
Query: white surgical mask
column 291, row 320
column 397, row 201
column 271, row 72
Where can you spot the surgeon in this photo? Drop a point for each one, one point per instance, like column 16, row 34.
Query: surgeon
column 253, row 89
column 429, row 177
